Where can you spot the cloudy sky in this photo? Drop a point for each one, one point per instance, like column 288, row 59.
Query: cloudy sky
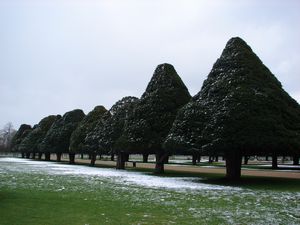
column 58, row 55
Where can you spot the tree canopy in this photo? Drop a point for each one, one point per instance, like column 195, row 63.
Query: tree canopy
column 152, row 118
column 241, row 108
column 58, row 136
column 22, row 132
column 93, row 136
column 113, row 127
column 35, row 137
column 78, row 138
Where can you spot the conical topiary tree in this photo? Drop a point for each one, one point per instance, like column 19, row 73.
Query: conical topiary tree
column 22, row 132
column 241, row 109
column 93, row 136
column 45, row 144
column 57, row 139
column 112, row 128
column 185, row 136
column 35, row 137
column 147, row 127
column 77, row 141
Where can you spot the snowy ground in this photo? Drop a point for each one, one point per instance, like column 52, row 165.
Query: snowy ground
column 110, row 175
column 180, row 197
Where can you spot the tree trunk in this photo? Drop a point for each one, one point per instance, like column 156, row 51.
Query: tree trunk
column 120, row 161
column 216, row 158
column 33, row 155
column 274, row 161
column 90, row 156
column 112, row 157
column 23, row 155
column 198, row 158
column 47, row 156
column 267, row 158
column 27, row 155
column 233, row 165
column 159, row 168
column 100, row 156
column 246, row 158
column 296, row 160
column 81, row 156
column 194, row 160
column 160, row 159
column 126, row 155
column 72, row 158
column 40, row 155
column 210, row 159
column 145, row 158
column 166, row 160
column 58, row 157
column 93, row 159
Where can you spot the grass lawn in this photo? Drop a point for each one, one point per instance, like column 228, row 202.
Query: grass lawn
column 44, row 207
column 56, row 194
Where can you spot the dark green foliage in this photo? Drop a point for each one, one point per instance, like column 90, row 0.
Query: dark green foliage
column 155, row 112
column 113, row 126
column 58, row 136
column 93, row 136
column 101, row 139
column 22, row 132
column 35, row 137
column 241, row 107
column 186, row 136
column 77, row 142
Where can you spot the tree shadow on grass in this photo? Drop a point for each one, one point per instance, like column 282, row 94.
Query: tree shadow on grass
column 258, row 183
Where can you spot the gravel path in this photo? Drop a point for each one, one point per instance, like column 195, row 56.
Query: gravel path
column 295, row 174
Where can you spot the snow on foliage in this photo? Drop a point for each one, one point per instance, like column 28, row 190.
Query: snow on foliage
column 77, row 141
column 151, row 120
column 35, row 137
column 108, row 129
column 113, row 128
column 241, row 106
column 58, row 136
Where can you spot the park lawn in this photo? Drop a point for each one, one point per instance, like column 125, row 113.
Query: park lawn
column 44, row 207
column 20, row 207
column 35, row 196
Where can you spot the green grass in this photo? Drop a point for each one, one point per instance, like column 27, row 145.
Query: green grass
column 20, row 207
column 41, row 207
column 33, row 197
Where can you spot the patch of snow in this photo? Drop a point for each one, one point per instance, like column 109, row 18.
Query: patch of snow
column 117, row 176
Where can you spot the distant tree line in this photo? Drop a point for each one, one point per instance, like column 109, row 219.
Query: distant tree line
column 240, row 111
column 6, row 135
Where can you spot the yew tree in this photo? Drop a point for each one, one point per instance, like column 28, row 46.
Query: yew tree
column 93, row 136
column 78, row 142
column 148, row 125
column 22, row 132
column 112, row 129
column 35, row 137
column 57, row 139
column 241, row 109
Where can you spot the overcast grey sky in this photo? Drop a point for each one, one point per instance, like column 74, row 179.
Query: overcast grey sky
column 58, row 55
